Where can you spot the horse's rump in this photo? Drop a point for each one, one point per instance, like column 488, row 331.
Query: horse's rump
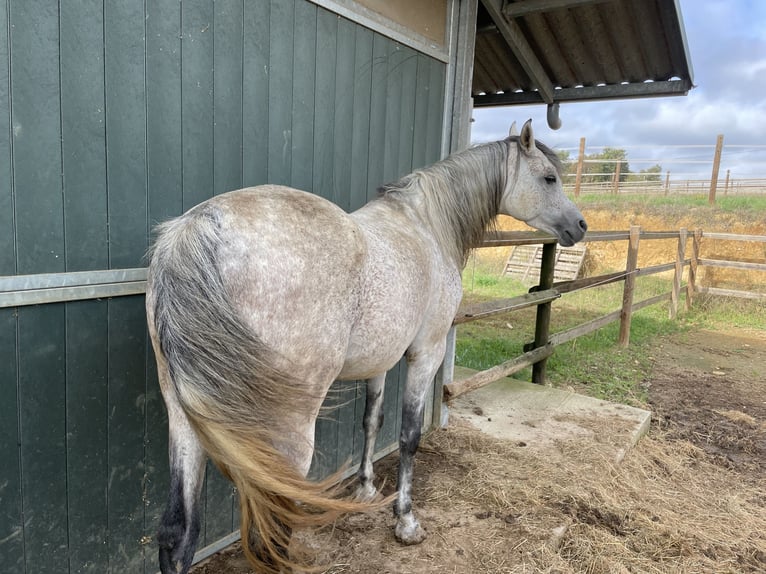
column 232, row 386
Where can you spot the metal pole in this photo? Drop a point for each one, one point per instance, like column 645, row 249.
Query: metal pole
column 543, row 322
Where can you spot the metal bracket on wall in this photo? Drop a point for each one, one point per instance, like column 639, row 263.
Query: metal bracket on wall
column 21, row 290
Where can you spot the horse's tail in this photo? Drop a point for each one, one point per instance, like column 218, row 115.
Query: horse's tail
column 230, row 392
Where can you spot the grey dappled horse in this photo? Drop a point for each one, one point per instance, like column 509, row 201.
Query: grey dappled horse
column 258, row 299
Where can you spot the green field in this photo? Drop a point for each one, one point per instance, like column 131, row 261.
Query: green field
column 594, row 363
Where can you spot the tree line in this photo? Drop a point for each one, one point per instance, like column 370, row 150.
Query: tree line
column 602, row 166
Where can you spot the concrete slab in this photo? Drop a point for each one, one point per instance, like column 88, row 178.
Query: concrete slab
column 539, row 417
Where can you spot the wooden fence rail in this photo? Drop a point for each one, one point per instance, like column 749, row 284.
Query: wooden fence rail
column 544, row 294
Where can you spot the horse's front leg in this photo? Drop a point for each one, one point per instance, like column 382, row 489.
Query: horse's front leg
column 422, row 366
column 373, row 420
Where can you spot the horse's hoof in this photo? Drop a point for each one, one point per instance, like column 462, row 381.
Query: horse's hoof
column 365, row 493
column 408, row 531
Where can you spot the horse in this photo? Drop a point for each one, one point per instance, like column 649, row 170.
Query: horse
column 258, row 299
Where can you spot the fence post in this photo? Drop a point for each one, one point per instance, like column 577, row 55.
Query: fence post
column 616, row 182
column 630, row 284
column 679, row 272
column 667, row 182
column 716, row 167
column 691, row 286
column 726, row 187
column 580, row 159
column 543, row 322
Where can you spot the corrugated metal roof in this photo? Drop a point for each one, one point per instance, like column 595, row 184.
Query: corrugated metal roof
column 551, row 51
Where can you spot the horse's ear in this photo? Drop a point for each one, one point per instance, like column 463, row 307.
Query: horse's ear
column 527, row 137
column 513, row 131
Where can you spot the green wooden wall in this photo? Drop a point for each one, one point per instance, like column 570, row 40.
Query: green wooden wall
column 117, row 115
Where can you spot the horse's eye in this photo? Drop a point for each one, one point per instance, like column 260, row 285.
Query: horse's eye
column 550, row 179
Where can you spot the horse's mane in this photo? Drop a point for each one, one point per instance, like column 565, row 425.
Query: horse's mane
column 461, row 194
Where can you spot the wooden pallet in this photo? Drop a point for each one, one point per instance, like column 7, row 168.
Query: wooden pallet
column 524, row 263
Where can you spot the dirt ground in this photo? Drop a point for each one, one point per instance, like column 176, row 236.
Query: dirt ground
column 689, row 498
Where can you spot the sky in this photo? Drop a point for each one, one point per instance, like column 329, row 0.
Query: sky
column 726, row 40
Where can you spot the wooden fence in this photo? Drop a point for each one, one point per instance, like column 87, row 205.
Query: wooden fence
column 543, row 295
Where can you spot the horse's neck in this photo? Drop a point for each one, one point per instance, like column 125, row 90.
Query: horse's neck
column 462, row 195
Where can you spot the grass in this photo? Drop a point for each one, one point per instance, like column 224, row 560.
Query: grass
column 594, row 363
column 745, row 208
column 723, row 203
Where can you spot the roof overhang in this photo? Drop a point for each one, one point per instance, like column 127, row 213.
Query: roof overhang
column 555, row 51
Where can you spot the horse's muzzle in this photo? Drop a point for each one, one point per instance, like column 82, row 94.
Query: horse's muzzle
column 572, row 234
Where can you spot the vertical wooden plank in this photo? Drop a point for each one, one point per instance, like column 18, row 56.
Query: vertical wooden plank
column 7, row 204
column 420, row 121
column 218, row 506
column 344, row 101
column 437, row 81
column 376, row 175
column 86, row 431
column 304, row 71
column 36, row 128
column 83, row 134
column 197, row 119
column 324, row 178
column 393, row 105
column 255, row 89
column 42, row 403
column 228, row 95
column 325, row 459
column 629, row 285
column 11, row 518
column 126, row 414
column 124, row 53
column 360, row 401
column 409, row 72
column 346, row 422
column 388, row 433
column 85, row 216
column 163, row 101
column 361, row 120
column 281, row 33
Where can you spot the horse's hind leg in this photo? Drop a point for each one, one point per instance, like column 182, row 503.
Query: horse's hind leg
column 180, row 524
column 373, row 420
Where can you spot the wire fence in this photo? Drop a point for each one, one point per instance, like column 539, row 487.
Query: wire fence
column 698, row 169
column 755, row 186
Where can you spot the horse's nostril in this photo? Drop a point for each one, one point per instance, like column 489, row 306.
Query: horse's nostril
column 583, row 225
